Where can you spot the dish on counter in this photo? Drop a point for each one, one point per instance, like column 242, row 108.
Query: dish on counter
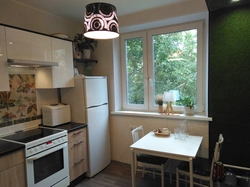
column 162, row 132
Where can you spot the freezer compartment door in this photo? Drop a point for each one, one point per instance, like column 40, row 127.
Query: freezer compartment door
column 98, row 139
column 96, row 91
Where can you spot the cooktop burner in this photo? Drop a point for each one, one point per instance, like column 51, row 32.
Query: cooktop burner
column 31, row 134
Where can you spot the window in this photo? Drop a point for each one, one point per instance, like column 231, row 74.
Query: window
column 135, row 87
column 159, row 60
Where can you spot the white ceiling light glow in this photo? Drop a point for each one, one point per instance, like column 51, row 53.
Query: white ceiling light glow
column 100, row 21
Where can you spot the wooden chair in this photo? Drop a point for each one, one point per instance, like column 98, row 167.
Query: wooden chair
column 149, row 161
column 202, row 168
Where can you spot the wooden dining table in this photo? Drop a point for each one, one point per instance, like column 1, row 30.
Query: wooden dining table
column 168, row 147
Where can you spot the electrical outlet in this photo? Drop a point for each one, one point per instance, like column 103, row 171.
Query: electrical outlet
column 132, row 128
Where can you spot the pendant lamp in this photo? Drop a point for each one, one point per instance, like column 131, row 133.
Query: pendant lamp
column 100, row 21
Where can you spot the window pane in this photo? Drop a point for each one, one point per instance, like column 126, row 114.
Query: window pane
column 134, row 69
column 175, row 63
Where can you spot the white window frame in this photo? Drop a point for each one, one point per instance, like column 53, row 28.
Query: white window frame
column 125, row 105
column 148, row 65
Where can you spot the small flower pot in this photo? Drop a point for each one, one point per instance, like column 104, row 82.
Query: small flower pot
column 160, row 109
column 86, row 53
column 189, row 111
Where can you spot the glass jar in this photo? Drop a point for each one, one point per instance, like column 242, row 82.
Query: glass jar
column 88, row 70
column 184, row 131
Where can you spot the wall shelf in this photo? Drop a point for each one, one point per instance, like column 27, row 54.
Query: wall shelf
column 84, row 60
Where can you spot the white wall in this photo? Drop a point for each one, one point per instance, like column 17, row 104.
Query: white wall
column 161, row 16
column 19, row 15
column 121, row 138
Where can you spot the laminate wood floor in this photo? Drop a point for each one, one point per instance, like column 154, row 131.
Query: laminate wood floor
column 119, row 175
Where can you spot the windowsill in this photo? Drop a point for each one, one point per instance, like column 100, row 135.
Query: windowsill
column 158, row 115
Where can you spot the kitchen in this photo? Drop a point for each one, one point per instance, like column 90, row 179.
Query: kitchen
column 120, row 127
column 52, row 157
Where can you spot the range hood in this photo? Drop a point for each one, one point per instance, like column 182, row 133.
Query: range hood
column 30, row 63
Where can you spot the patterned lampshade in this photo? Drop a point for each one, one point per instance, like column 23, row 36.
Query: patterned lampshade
column 100, row 21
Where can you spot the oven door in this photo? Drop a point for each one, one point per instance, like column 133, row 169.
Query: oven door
column 49, row 168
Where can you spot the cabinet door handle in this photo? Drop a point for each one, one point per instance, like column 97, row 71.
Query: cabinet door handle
column 79, row 161
column 76, row 133
column 78, row 143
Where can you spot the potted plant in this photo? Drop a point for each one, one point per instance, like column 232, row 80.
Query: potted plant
column 159, row 101
column 188, row 104
column 84, row 45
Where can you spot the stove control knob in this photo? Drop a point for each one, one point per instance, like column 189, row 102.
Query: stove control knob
column 36, row 149
column 31, row 151
column 42, row 147
column 59, row 140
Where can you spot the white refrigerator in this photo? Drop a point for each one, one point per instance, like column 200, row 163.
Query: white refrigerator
column 88, row 101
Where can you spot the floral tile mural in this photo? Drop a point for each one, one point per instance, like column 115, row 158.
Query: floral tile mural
column 19, row 104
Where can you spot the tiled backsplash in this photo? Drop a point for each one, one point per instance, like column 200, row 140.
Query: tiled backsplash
column 19, row 104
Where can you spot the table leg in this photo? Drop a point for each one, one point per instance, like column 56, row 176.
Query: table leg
column 191, row 171
column 133, row 169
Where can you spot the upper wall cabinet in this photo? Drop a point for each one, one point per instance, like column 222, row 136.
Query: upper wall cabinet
column 23, row 45
column 4, row 77
column 58, row 76
column 27, row 45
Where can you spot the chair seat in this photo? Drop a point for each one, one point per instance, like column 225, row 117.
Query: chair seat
column 201, row 166
column 151, row 159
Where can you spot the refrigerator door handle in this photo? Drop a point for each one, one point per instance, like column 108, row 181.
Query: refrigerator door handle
column 94, row 106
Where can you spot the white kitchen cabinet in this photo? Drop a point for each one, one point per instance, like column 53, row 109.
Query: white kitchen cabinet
column 27, row 45
column 58, row 76
column 4, row 76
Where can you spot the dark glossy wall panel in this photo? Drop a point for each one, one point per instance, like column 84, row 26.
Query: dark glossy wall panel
column 229, row 83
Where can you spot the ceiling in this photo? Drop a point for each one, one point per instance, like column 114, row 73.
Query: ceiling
column 74, row 9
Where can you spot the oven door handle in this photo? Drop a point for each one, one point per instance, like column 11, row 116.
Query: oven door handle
column 47, row 152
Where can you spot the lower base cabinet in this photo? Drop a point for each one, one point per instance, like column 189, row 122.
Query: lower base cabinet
column 12, row 170
column 78, row 163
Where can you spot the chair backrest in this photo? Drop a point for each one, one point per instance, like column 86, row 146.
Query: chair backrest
column 217, row 150
column 137, row 133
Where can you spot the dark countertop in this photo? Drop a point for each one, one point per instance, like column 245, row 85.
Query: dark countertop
column 9, row 147
column 71, row 126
